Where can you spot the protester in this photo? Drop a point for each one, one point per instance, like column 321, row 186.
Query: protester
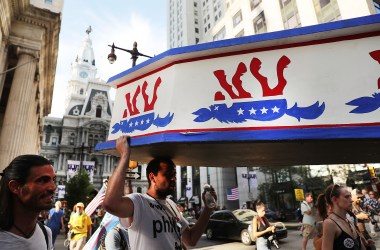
column 372, row 207
column 117, row 238
column 261, row 228
column 323, row 210
column 80, row 227
column 361, row 215
column 307, row 220
column 97, row 219
column 338, row 232
column 26, row 188
column 156, row 222
column 55, row 220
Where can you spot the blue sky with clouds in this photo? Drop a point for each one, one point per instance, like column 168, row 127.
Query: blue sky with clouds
column 118, row 21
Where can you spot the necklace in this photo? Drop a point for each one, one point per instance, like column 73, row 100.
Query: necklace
column 170, row 221
column 23, row 233
column 346, row 220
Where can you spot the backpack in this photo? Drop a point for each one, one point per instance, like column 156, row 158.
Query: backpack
column 123, row 242
column 45, row 233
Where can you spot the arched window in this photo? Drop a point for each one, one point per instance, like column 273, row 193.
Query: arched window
column 71, row 139
column 99, row 111
column 81, row 91
column 139, row 190
column 90, row 139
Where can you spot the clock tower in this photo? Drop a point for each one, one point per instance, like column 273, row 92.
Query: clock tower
column 83, row 70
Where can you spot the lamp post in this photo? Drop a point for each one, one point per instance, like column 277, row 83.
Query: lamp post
column 134, row 53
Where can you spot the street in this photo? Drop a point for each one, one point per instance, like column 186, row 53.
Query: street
column 293, row 242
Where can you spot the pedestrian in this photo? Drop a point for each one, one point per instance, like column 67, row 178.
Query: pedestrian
column 373, row 209
column 365, row 194
column 307, row 220
column 80, row 227
column 360, row 214
column 117, row 238
column 156, row 222
column 261, row 228
column 26, row 188
column 323, row 210
column 338, row 231
column 55, row 220
column 97, row 219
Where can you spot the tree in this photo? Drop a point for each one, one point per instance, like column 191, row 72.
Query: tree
column 78, row 189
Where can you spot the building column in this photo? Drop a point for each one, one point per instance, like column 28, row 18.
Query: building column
column 3, row 62
column 15, row 127
column 60, row 162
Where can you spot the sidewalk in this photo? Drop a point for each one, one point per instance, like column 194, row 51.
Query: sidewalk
column 59, row 242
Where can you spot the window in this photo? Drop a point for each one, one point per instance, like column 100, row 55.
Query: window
column 237, row 18
column 283, row 3
column 220, row 35
column 196, row 21
column 292, row 22
column 240, row 34
column 196, row 40
column 81, row 91
column 376, row 3
column 54, row 141
column 259, row 24
column 196, row 30
column 71, row 141
column 99, row 111
column 49, row 1
column 323, row 3
column 254, row 3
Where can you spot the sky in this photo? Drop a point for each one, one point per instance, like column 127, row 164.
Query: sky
column 118, row 21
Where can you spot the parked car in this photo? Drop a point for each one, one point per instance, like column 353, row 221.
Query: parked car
column 234, row 225
column 275, row 215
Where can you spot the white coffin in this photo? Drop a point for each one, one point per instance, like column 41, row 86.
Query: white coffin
column 302, row 96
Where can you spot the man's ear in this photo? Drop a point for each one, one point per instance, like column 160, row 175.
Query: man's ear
column 14, row 186
column 151, row 178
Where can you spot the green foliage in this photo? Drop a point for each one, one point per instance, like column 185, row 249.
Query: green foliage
column 78, row 189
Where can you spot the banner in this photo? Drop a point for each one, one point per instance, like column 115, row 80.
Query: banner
column 61, row 191
column 74, row 166
column 89, row 167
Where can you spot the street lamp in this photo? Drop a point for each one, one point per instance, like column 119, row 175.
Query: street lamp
column 134, row 53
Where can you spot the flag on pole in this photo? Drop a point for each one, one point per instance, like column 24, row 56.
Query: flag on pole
column 97, row 201
column 232, row 194
column 109, row 221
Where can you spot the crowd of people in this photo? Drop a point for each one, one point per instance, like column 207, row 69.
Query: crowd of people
column 153, row 221
column 27, row 189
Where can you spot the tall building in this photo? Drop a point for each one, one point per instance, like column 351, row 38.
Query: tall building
column 29, row 36
column 201, row 21
column 85, row 122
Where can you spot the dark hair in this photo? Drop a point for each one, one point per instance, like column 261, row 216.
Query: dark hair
column 19, row 169
column 154, row 166
column 322, row 206
column 332, row 191
column 258, row 203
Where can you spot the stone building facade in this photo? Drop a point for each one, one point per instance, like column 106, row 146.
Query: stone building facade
column 85, row 122
column 29, row 36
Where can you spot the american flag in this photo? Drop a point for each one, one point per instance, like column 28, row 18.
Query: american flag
column 232, row 194
column 97, row 201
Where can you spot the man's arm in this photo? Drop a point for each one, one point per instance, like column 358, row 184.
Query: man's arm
column 114, row 202
column 191, row 236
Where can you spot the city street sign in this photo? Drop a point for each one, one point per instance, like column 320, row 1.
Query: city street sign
column 133, row 175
